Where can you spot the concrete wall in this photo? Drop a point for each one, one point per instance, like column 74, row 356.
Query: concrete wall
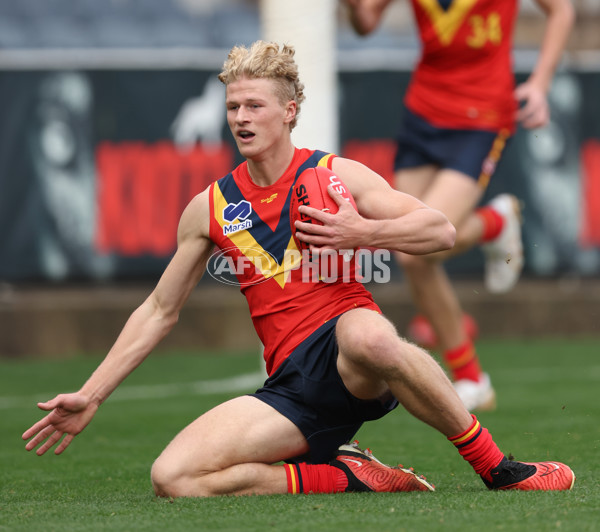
column 64, row 321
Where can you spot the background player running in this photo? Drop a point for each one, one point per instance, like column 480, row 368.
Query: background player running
column 461, row 108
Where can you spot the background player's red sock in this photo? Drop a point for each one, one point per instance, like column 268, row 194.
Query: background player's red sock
column 463, row 363
column 315, row 478
column 477, row 447
column 492, row 221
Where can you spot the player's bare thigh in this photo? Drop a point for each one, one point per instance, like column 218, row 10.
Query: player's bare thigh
column 374, row 362
column 415, row 181
column 242, row 430
column 456, row 195
column 452, row 192
column 368, row 345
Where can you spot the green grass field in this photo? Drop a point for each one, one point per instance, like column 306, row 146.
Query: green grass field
column 549, row 408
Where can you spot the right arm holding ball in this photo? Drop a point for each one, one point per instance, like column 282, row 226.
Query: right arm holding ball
column 386, row 218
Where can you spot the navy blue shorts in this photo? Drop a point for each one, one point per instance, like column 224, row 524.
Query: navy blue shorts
column 473, row 152
column 308, row 390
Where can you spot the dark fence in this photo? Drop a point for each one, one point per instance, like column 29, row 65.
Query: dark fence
column 96, row 167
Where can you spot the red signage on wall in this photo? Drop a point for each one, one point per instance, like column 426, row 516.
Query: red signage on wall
column 590, row 191
column 143, row 189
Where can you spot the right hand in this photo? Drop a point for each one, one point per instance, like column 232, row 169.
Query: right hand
column 69, row 414
column 535, row 111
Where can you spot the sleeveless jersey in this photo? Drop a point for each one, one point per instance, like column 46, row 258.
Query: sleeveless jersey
column 464, row 79
column 251, row 226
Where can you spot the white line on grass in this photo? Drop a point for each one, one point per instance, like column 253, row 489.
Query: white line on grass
column 250, row 381
column 240, row 383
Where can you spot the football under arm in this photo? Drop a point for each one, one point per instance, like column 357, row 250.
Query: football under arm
column 394, row 220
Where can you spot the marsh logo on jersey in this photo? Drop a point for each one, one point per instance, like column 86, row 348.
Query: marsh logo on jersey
column 237, row 215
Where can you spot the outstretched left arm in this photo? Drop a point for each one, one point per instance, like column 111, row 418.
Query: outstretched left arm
column 386, row 218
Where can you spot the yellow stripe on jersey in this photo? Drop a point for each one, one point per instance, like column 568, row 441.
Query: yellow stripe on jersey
column 254, row 252
column 447, row 23
column 324, row 161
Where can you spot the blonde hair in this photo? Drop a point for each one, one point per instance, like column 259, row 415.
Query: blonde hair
column 267, row 60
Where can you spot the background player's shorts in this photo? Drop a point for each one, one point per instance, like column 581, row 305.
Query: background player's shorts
column 308, row 390
column 470, row 151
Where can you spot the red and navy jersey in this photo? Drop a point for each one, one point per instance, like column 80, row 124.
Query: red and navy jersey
column 464, row 78
column 251, row 225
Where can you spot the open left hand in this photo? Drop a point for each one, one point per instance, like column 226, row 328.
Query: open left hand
column 70, row 414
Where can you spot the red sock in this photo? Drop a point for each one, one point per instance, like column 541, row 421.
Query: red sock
column 463, row 362
column 492, row 221
column 315, row 478
column 477, row 447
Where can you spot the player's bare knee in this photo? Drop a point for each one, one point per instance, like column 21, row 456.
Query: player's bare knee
column 168, row 479
column 172, row 478
column 376, row 346
column 163, row 479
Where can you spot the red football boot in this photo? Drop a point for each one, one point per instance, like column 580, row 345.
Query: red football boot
column 366, row 473
column 531, row 476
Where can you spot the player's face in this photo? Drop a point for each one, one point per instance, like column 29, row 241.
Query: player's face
column 258, row 120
